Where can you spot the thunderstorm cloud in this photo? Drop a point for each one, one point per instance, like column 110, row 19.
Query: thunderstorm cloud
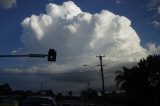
column 76, row 34
column 72, row 32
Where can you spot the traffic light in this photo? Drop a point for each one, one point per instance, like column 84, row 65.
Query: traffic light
column 51, row 55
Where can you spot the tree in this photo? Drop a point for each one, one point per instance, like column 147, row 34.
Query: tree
column 146, row 74
column 70, row 93
column 142, row 79
column 89, row 95
column 59, row 97
column 5, row 89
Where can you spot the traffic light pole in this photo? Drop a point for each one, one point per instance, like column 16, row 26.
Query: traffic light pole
column 29, row 55
column 51, row 55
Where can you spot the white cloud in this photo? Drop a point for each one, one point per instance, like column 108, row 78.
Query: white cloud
column 153, row 48
column 15, row 70
column 158, row 9
column 72, row 32
column 156, row 23
column 6, row 4
column 120, row 2
column 154, row 5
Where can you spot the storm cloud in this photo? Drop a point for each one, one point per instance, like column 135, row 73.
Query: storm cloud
column 72, row 32
column 77, row 35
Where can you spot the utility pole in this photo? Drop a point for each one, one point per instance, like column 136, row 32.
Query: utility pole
column 88, row 85
column 41, row 86
column 102, row 74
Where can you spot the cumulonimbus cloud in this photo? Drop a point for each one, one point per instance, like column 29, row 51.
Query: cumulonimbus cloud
column 73, row 32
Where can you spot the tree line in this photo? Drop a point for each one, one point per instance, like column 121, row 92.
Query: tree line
column 141, row 82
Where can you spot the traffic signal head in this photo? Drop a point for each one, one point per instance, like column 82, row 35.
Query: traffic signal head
column 51, row 55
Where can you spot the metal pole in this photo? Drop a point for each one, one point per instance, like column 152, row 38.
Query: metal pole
column 41, row 86
column 27, row 55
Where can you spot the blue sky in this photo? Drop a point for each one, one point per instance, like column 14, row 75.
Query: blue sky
column 136, row 11
column 143, row 14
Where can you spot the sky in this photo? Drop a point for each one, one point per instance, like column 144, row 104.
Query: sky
column 125, row 31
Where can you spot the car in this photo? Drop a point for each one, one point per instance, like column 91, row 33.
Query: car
column 90, row 105
column 6, row 101
column 39, row 101
column 66, row 104
column 71, row 104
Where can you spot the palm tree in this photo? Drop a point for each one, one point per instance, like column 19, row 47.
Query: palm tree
column 122, row 78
